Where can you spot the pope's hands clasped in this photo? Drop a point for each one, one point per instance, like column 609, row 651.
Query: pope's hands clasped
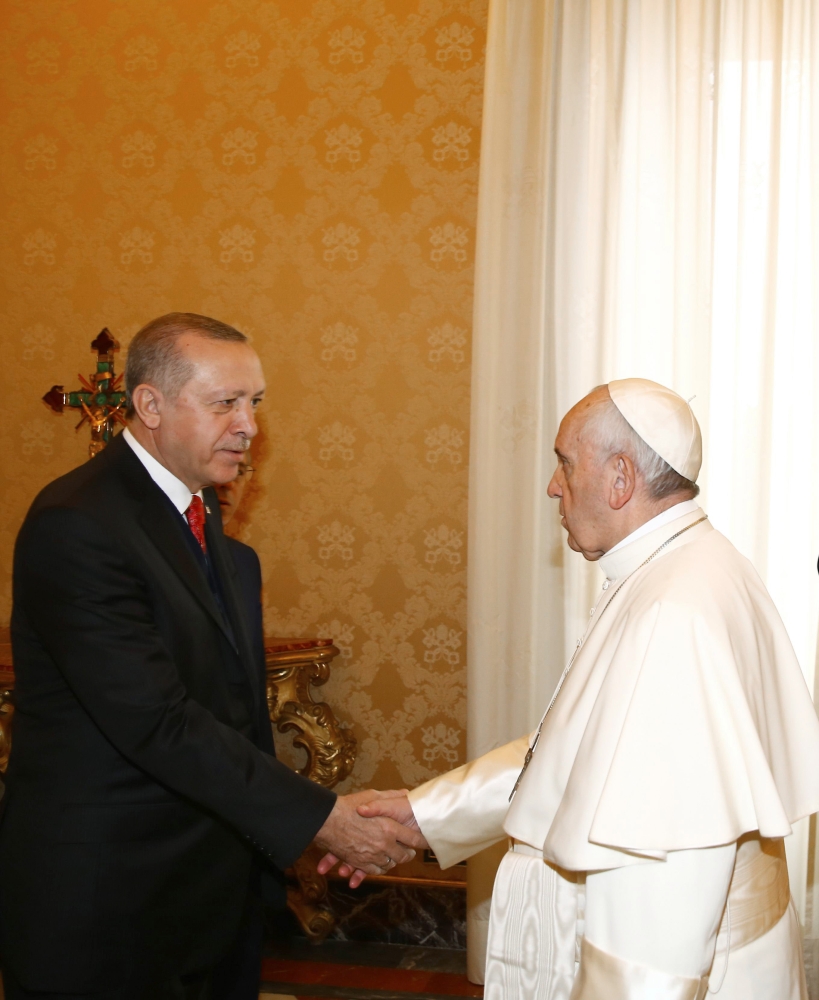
column 369, row 833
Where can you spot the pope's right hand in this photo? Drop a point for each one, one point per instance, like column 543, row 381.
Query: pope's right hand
column 367, row 840
column 392, row 805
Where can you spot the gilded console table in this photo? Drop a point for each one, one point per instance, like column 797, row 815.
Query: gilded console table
column 293, row 667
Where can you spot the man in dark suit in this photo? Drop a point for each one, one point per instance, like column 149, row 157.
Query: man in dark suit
column 137, row 794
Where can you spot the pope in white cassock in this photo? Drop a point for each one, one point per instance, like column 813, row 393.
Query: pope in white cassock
column 646, row 814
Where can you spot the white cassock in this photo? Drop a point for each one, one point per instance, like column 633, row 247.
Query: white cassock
column 646, row 853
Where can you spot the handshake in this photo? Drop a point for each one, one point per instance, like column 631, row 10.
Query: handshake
column 369, row 833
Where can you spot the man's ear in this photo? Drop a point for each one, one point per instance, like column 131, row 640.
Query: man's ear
column 624, row 483
column 147, row 402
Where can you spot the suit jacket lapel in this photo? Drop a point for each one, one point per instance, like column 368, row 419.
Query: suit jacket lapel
column 162, row 525
column 226, row 570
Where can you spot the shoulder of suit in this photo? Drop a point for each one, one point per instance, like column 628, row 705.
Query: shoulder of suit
column 246, row 562
column 241, row 552
column 95, row 485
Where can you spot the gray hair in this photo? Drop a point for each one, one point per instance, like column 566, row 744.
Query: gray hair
column 154, row 358
column 612, row 434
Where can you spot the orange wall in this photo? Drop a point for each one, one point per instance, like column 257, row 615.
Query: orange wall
column 307, row 172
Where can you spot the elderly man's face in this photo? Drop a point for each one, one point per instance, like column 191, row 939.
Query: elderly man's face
column 580, row 484
column 204, row 432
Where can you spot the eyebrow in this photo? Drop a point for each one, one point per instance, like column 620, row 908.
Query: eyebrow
column 236, row 393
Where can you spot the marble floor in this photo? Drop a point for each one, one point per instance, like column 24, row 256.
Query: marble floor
column 296, row 970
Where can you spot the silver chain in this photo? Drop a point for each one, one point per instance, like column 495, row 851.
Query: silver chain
column 531, row 751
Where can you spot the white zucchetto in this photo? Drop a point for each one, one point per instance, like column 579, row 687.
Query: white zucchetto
column 663, row 420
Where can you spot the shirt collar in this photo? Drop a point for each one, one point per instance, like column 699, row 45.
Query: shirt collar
column 666, row 517
column 627, row 555
column 174, row 489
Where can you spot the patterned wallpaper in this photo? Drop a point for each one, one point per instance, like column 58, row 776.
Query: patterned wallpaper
column 306, row 171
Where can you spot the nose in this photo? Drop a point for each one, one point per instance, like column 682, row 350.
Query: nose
column 245, row 422
column 554, row 490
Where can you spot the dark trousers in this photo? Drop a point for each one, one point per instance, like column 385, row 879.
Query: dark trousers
column 182, row 988
column 236, row 977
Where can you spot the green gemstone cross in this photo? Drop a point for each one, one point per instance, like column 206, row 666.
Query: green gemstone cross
column 100, row 398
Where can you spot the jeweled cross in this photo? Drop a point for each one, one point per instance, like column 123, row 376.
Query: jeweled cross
column 101, row 398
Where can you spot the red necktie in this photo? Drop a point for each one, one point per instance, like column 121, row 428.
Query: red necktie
column 196, row 519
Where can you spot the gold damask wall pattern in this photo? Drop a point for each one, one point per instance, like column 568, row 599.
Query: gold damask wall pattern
column 308, row 172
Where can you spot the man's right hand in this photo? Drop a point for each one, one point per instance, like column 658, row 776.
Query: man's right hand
column 371, row 843
column 393, row 805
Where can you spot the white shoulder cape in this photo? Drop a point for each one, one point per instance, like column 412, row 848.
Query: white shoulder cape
column 685, row 721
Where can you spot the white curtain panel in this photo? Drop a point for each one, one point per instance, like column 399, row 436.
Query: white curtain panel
column 648, row 206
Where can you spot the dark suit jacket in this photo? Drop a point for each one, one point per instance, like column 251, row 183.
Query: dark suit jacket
column 271, row 883
column 249, row 591
column 135, row 794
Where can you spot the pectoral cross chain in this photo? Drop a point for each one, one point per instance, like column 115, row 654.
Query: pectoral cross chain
column 526, row 761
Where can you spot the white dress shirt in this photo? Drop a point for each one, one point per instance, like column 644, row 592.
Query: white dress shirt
column 174, row 489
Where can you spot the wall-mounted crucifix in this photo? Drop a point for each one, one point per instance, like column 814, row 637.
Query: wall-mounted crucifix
column 100, row 398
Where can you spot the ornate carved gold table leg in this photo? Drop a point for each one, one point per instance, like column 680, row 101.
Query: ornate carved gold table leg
column 293, row 667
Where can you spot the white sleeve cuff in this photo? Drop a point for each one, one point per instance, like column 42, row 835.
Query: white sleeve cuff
column 462, row 812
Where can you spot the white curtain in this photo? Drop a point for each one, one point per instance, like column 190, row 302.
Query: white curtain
column 648, row 206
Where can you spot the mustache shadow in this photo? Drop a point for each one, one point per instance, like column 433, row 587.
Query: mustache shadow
column 241, row 444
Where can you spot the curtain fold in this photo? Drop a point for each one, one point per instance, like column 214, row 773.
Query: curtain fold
column 648, row 206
